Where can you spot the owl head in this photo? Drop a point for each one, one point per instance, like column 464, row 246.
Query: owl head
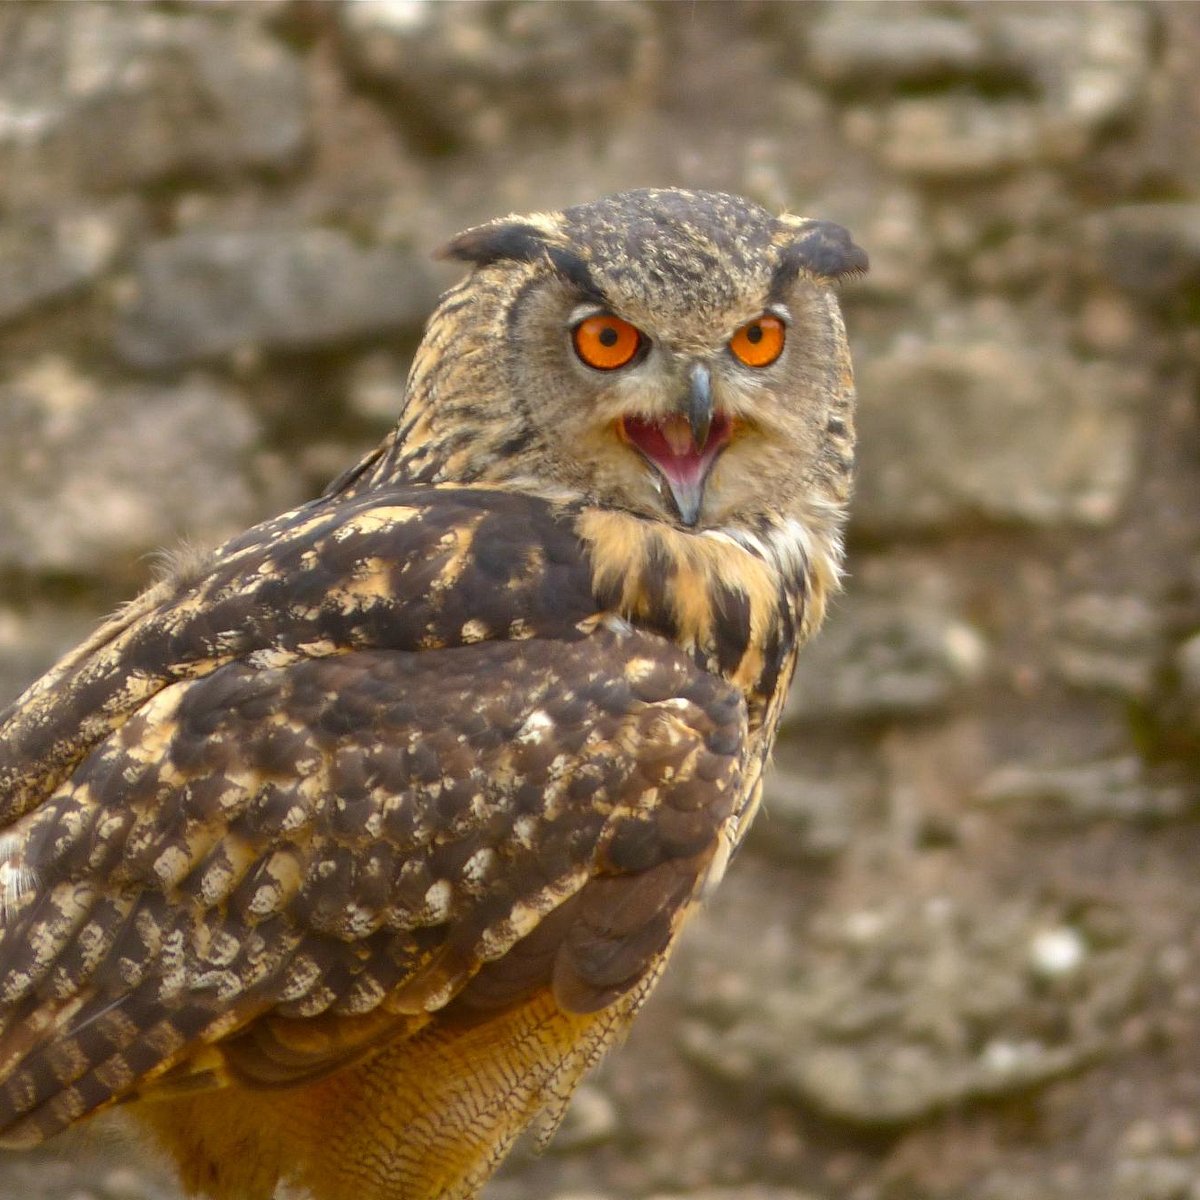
column 676, row 354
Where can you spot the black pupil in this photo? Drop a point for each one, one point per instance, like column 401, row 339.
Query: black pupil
column 608, row 336
column 754, row 334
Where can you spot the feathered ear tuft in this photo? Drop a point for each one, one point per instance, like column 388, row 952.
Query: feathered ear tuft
column 821, row 249
column 509, row 239
column 519, row 240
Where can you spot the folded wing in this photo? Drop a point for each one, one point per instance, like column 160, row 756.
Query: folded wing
column 265, row 872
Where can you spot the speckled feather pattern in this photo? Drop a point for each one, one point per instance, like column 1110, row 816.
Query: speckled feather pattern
column 358, row 840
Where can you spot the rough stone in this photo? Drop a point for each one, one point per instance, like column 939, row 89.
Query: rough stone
column 990, row 432
column 890, row 1014
column 876, row 659
column 1187, row 660
column 78, row 1167
column 1065, row 73
column 1165, row 155
column 1057, row 953
column 591, row 1120
column 1151, row 250
column 1076, row 794
column 31, row 639
column 46, row 258
column 806, row 816
column 375, row 388
column 91, row 478
column 1084, row 65
column 895, row 226
column 752, row 1192
column 1158, row 1178
column 206, row 295
column 901, row 45
column 1113, row 643
column 102, row 98
column 485, row 73
column 1090, row 62
column 960, row 138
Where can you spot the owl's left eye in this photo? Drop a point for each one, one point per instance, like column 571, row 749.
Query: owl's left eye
column 759, row 342
column 606, row 342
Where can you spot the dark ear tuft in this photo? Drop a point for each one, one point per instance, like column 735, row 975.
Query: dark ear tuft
column 489, row 243
column 519, row 241
column 823, row 249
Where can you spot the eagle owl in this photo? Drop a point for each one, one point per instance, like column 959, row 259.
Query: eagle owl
column 343, row 851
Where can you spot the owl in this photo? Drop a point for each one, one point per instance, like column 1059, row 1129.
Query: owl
column 341, row 853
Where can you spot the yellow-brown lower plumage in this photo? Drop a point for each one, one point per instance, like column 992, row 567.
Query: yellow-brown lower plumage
column 427, row 1118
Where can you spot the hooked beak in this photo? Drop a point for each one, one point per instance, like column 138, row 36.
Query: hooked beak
column 699, row 406
column 683, row 446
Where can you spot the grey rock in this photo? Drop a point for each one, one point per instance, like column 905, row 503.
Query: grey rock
column 375, row 387
column 964, row 137
column 1090, row 62
column 1112, row 643
column 749, row 1192
column 591, row 1119
column 1083, row 65
column 983, row 431
column 1151, row 250
column 205, row 295
column 1166, row 148
column 806, row 816
column 1148, row 1139
column 102, row 97
column 1079, row 1182
column 101, row 1163
column 1069, row 72
column 1187, row 661
column 887, row 1015
column 31, row 640
column 485, row 73
column 1117, row 788
column 1158, row 1178
column 900, row 44
column 879, row 659
column 896, row 227
column 91, row 479
column 45, row 258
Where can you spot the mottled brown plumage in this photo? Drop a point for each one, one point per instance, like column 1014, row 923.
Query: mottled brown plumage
column 345, row 850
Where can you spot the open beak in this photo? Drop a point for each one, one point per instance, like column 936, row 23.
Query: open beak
column 699, row 403
column 683, row 445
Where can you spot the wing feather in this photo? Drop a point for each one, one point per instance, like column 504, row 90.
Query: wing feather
column 264, row 872
column 403, row 568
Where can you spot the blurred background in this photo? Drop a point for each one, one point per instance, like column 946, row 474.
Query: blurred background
column 959, row 957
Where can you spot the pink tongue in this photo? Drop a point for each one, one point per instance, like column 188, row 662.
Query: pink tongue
column 669, row 445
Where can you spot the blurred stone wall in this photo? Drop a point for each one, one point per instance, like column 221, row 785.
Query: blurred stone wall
column 960, row 957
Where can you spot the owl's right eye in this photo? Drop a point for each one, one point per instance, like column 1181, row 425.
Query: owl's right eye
column 606, row 342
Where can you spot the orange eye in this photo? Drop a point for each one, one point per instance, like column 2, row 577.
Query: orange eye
column 606, row 342
column 759, row 342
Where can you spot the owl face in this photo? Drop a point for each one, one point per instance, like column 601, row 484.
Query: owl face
column 676, row 354
column 695, row 423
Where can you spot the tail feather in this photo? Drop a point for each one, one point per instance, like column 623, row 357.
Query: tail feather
column 105, row 1050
